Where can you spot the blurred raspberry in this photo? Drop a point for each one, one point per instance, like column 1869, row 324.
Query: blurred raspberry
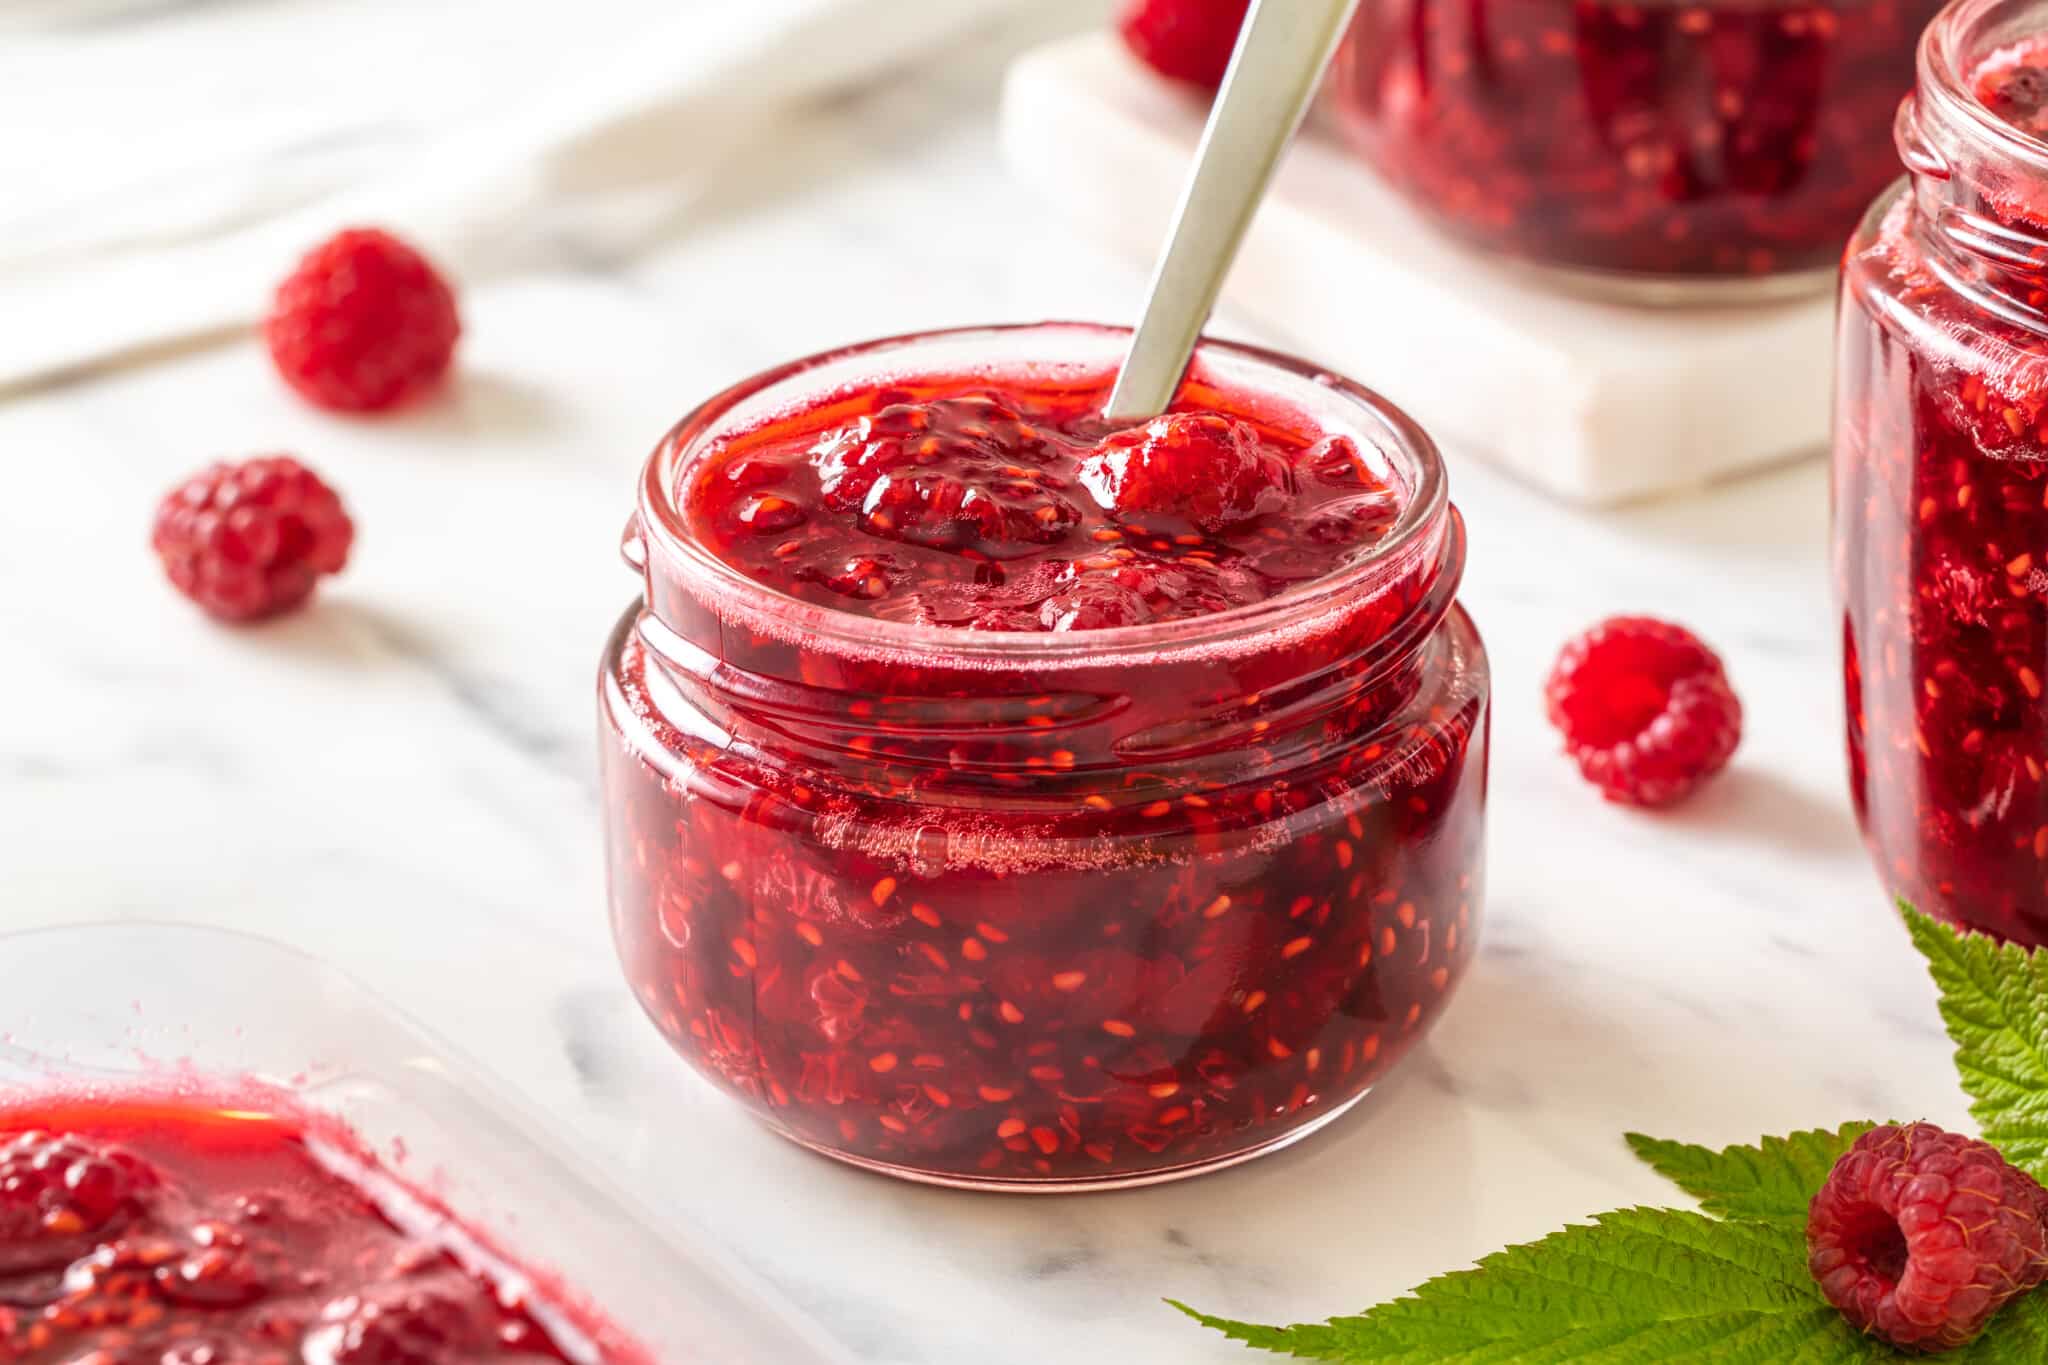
column 364, row 323
column 249, row 540
column 1185, row 40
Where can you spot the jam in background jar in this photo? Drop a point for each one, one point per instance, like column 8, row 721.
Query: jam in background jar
column 1941, row 484
column 973, row 875
column 1649, row 149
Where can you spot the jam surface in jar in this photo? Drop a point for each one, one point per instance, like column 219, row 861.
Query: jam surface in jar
column 152, row 1230
column 1118, row 815
column 1015, row 507
column 1724, row 139
column 1941, row 508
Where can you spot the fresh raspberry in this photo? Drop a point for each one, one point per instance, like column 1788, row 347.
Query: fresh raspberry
column 1185, row 40
column 1645, row 709
column 248, row 540
column 364, row 323
column 1920, row 1235
column 1199, row 471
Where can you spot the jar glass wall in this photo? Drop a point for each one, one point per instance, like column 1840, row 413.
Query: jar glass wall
column 1660, row 150
column 1047, row 910
column 1941, row 489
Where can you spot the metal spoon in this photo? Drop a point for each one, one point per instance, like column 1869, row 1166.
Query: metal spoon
column 1281, row 53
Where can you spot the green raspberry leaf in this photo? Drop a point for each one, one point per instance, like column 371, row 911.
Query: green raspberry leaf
column 1772, row 1181
column 1994, row 999
column 2017, row 1336
column 1638, row 1285
column 1728, row 1286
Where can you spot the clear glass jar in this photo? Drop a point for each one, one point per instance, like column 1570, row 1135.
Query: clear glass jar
column 1659, row 150
column 1941, row 496
column 1046, row 911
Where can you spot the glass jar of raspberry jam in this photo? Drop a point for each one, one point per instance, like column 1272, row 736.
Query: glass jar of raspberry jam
column 1657, row 150
column 1941, row 483
column 968, row 832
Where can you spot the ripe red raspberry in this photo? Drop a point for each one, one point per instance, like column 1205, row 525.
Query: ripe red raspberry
column 1188, row 471
column 1645, row 709
column 248, row 540
column 1186, row 40
column 364, row 323
column 1921, row 1235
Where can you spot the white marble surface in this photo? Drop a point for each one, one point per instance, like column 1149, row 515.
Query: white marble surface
column 401, row 778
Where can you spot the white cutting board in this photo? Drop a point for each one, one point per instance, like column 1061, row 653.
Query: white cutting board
column 1591, row 401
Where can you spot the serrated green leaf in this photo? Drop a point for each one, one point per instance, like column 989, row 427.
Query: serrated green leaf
column 1637, row 1285
column 1994, row 999
column 2017, row 1336
column 1658, row 1285
column 1772, row 1181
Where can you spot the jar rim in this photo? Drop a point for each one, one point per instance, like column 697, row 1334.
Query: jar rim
column 1418, row 530
column 1949, row 48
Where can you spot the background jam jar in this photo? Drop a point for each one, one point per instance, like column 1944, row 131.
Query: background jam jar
column 1941, row 484
column 1046, row 910
column 1655, row 149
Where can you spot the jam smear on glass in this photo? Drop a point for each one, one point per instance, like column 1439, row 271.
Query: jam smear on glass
column 1726, row 139
column 998, row 798
column 156, row 1230
column 1941, row 492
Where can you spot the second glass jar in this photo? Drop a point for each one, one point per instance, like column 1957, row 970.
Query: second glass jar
column 1941, row 484
column 1662, row 151
column 1044, row 911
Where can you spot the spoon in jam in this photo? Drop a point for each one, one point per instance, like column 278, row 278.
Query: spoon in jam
column 1281, row 53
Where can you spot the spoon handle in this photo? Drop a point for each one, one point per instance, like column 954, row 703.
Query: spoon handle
column 1279, row 62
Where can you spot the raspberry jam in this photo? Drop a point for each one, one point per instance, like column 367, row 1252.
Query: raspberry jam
column 1679, row 143
column 995, row 798
column 1941, row 487
column 155, row 1231
column 1018, row 509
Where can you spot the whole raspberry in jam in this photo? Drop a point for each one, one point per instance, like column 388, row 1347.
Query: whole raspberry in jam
column 944, row 474
column 1920, row 1235
column 1645, row 710
column 1189, row 470
column 1185, row 40
column 364, row 323
column 249, row 540
column 57, row 1191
